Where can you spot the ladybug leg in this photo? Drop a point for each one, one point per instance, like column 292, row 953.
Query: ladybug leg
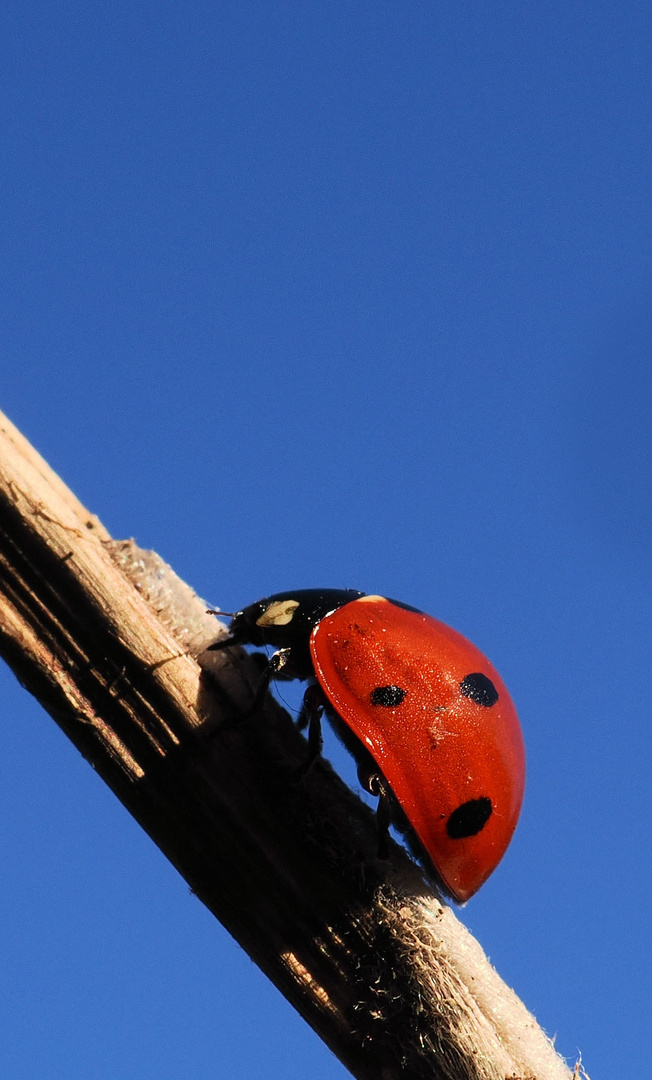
column 377, row 785
column 383, row 816
column 310, row 717
column 276, row 663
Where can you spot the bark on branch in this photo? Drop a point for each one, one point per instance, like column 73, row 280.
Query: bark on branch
column 113, row 644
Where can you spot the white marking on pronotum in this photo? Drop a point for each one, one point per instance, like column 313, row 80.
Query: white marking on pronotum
column 278, row 614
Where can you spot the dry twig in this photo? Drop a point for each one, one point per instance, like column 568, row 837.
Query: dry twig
column 112, row 644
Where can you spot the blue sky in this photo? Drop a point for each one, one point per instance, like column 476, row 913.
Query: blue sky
column 353, row 295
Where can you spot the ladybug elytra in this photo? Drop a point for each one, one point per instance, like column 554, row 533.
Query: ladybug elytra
column 429, row 720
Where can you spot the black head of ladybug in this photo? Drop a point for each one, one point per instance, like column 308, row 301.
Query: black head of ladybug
column 286, row 621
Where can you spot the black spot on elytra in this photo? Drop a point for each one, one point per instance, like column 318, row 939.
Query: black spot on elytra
column 470, row 818
column 389, row 696
column 480, row 689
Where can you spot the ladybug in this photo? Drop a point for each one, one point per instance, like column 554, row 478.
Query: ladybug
column 427, row 717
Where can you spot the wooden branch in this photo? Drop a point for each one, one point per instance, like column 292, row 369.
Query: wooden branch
column 112, row 644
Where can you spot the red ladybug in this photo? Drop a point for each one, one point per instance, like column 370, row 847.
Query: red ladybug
column 428, row 718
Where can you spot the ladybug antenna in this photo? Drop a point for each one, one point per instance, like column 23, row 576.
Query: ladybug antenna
column 216, row 611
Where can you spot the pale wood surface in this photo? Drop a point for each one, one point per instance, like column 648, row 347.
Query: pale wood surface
column 112, row 644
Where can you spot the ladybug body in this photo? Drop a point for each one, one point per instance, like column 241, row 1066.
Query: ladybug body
column 428, row 718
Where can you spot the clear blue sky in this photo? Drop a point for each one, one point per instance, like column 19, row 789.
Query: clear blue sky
column 346, row 294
